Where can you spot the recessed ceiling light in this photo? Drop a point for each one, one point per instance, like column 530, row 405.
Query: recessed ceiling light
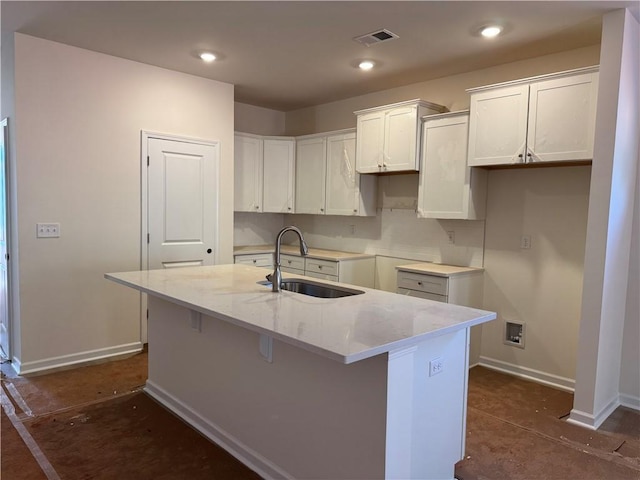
column 491, row 31
column 366, row 65
column 207, row 56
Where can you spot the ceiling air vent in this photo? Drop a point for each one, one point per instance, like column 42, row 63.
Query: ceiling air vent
column 375, row 37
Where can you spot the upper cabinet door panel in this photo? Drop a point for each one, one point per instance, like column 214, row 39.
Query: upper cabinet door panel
column 310, row 175
column 400, row 140
column 562, row 115
column 498, row 126
column 370, row 142
column 247, row 174
column 279, row 175
column 342, row 180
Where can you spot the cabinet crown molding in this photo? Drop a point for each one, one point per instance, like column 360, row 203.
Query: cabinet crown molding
column 407, row 103
column 547, row 76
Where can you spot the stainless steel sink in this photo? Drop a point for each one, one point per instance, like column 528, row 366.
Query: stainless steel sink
column 314, row 289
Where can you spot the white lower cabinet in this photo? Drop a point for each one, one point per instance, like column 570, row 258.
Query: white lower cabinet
column 256, row 259
column 456, row 285
column 354, row 271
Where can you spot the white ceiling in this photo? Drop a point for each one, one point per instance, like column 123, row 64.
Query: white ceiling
column 289, row 55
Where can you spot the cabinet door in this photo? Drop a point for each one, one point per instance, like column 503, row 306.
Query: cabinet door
column 562, row 117
column 498, row 126
column 279, row 175
column 400, row 136
column 311, row 169
column 445, row 188
column 247, row 174
column 342, row 192
column 370, row 133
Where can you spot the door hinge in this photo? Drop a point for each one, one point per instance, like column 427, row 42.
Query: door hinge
column 147, row 160
column 148, row 238
column 147, row 314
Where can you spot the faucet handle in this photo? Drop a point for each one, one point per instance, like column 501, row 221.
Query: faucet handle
column 269, row 277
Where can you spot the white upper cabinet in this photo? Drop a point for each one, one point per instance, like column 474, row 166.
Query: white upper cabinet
column 448, row 188
column 542, row 119
column 247, row 173
column 388, row 137
column 326, row 180
column 278, row 174
column 347, row 192
column 311, row 171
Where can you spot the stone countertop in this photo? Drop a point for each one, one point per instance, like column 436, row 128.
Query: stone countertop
column 437, row 269
column 346, row 329
column 332, row 255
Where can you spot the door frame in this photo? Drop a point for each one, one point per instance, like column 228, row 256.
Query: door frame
column 145, row 136
column 4, row 127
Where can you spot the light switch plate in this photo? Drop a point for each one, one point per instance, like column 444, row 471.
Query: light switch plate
column 47, row 230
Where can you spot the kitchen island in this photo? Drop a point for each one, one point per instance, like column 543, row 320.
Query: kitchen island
column 366, row 386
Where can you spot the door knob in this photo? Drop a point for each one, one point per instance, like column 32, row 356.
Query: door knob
column 209, row 250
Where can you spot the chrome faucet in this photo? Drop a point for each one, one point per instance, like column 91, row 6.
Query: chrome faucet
column 276, row 277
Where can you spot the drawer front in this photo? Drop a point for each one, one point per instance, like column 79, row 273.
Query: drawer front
column 418, row 294
column 423, row 283
column 324, row 267
column 257, row 260
column 292, row 261
column 291, row 270
column 322, row 276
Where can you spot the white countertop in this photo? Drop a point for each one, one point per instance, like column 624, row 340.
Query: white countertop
column 437, row 269
column 346, row 329
column 319, row 253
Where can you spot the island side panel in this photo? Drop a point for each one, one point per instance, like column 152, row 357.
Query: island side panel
column 301, row 416
column 426, row 420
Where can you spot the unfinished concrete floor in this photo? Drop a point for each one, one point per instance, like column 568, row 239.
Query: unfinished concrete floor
column 95, row 422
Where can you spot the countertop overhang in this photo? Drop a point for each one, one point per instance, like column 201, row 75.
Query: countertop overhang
column 346, row 329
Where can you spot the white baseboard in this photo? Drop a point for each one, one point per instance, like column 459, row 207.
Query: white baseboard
column 74, row 359
column 252, row 459
column 630, row 401
column 555, row 381
column 593, row 421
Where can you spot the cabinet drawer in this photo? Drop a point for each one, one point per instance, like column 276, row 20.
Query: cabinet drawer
column 257, row 260
column 321, row 276
column 427, row 295
column 292, row 262
column 423, row 283
column 324, row 267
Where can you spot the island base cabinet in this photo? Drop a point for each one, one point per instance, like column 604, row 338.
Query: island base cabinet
column 302, row 415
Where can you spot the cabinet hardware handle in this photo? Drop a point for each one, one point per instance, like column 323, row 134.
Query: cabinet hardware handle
column 322, row 209
column 257, row 207
column 288, row 208
column 355, row 210
column 319, row 267
column 419, row 283
column 529, row 157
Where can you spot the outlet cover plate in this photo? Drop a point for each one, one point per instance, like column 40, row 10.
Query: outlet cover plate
column 47, row 230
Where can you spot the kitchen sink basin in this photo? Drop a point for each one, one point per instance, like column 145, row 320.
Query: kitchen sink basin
column 314, row 289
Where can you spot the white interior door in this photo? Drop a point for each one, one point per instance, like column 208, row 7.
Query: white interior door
column 4, row 276
column 182, row 179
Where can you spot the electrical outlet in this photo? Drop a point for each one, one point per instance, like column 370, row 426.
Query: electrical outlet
column 525, row 241
column 47, row 230
column 436, row 366
column 451, row 235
